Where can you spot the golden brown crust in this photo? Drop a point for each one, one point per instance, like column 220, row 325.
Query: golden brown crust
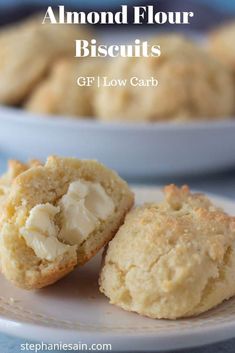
column 15, row 168
column 173, row 259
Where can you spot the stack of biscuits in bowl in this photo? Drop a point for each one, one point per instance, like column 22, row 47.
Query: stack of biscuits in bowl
column 196, row 82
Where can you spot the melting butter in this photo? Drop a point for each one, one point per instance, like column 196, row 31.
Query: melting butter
column 40, row 233
column 83, row 207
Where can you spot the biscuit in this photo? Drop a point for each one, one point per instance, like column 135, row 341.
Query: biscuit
column 60, row 37
column 192, row 85
column 27, row 51
column 59, row 93
column 15, row 168
column 221, row 44
column 58, row 216
column 20, row 72
column 172, row 259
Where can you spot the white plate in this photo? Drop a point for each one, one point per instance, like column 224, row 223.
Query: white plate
column 74, row 311
column 134, row 150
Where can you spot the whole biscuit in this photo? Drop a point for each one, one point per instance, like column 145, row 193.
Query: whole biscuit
column 27, row 50
column 173, row 259
column 60, row 94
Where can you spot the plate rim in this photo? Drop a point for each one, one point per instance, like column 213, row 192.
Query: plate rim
column 19, row 115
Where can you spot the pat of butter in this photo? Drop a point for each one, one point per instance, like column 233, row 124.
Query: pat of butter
column 40, row 233
column 41, row 219
column 83, row 207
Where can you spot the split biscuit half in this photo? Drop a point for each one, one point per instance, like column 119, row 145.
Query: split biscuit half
column 58, row 216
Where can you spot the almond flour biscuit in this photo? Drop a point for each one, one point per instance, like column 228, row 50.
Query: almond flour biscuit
column 172, row 259
column 61, row 37
column 192, row 85
column 58, row 216
column 24, row 58
column 26, row 52
column 59, row 93
column 221, row 44
column 15, row 168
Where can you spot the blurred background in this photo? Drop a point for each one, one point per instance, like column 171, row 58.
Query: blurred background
column 168, row 150
column 225, row 5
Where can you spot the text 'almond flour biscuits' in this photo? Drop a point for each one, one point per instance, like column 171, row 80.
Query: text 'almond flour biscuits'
column 192, row 85
column 172, row 259
column 27, row 50
column 60, row 94
column 58, row 216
